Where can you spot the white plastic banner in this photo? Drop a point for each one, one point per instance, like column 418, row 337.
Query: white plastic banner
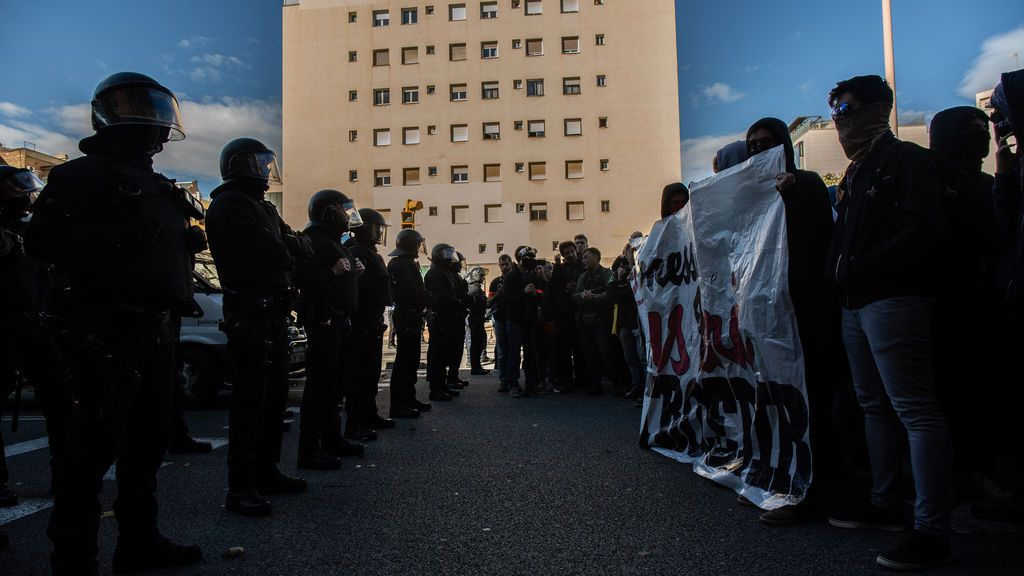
column 726, row 390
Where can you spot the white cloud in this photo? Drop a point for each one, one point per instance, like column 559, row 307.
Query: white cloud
column 721, row 92
column 214, row 67
column 997, row 56
column 13, row 110
column 194, row 42
column 15, row 134
column 219, row 61
column 698, row 153
column 908, row 117
column 205, row 74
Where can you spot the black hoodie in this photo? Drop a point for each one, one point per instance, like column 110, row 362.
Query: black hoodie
column 670, row 191
column 1008, row 193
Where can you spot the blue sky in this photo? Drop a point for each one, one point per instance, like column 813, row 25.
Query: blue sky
column 223, row 59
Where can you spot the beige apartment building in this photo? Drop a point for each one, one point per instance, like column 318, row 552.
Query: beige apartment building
column 513, row 121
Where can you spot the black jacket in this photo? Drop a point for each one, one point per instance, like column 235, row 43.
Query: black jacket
column 411, row 298
column 496, row 299
column 477, row 303
column 374, row 285
column 24, row 280
column 1008, row 194
column 104, row 213
column 324, row 295
column 889, row 235
column 559, row 306
column 254, row 250
column 520, row 306
column 620, row 293
column 447, row 309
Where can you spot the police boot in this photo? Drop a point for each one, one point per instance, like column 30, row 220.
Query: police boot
column 360, row 433
column 272, row 481
column 421, row 406
column 343, row 448
column 189, row 445
column 404, row 412
column 318, row 460
column 161, row 553
column 7, row 497
column 377, row 422
column 247, row 504
column 441, row 395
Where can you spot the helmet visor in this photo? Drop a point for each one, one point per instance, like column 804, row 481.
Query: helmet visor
column 448, row 254
column 21, row 183
column 354, row 219
column 380, row 233
column 260, row 165
column 133, row 104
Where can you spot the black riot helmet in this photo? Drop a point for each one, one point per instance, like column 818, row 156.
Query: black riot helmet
column 444, row 255
column 374, row 229
column 130, row 98
column 335, row 209
column 18, row 188
column 407, row 243
column 248, row 159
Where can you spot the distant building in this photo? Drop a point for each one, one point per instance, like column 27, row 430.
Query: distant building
column 816, row 145
column 29, row 157
column 514, row 123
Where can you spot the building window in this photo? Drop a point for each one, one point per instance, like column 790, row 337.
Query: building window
column 606, row 205
column 382, row 137
column 460, row 133
column 381, row 178
column 602, row 122
column 571, row 86
column 499, row 247
column 460, row 214
column 428, row 9
column 382, row 96
column 431, row 130
column 536, row 129
column 517, row 125
column 570, row 45
column 381, row 18
column 538, row 171
column 535, row 87
column 432, row 171
column 604, row 165
column 517, row 44
column 538, row 212
column 456, row 12
column 534, row 7
column 573, row 169
column 411, row 55
column 482, row 248
column 515, row 3
column 517, row 84
column 602, row 81
column 492, row 131
column 492, row 213
column 573, row 127
column 492, row 172
column 598, row 2
column 488, row 50
column 489, row 90
column 353, row 176
column 456, row 52
column 353, row 56
column 410, row 95
column 411, row 135
column 574, row 210
column 353, row 135
column 380, row 57
column 411, row 177
column 570, row 5
column 534, row 47
column 432, row 211
column 488, row 10
column 431, row 89
column 460, row 175
column 352, row 17
column 520, row 208
column 430, row 50
column 520, row 167
column 409, row 16
column 599, row 39
column 353, row 95
column 458, row 92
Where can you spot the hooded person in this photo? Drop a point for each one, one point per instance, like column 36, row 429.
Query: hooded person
column 673, row 198
column 730, row 155
column 808, row 231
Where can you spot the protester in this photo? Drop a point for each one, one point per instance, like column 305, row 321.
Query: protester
column 560, row 310
column 884, row 261
column 594, row 316
column 499, row 315
column 673, row 198
column 730, row 155
column 626, row 326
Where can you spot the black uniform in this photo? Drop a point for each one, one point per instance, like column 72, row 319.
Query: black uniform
column 446, row 324
column 477, row 330
column 367, row 334
column 255, row 253
column 411, row 298
column 110, row 208
column 458, row 349
column 327, row 304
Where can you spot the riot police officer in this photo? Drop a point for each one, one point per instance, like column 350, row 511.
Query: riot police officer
column 454, row 381
column 110, row 206
column 445, row 322
column 255, row 253
column 411, row 299
column 477, row 291
column 368, row 327
column 329, row 291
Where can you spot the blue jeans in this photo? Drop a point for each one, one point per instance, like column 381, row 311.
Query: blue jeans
column 633, row 349
column 500, row 346
column 520, row 339
column 889, row 346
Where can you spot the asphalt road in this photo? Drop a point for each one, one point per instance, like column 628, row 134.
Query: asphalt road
column 484, row 485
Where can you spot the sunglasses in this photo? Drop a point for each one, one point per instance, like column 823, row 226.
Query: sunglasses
column 842, row 110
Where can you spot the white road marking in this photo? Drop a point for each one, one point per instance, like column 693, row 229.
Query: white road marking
column 27, row 446
column 26, row 507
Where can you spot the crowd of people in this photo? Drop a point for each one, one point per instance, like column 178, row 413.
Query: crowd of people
column 898, row 287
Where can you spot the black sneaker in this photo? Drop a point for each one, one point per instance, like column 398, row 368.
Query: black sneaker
column 439, row 396
column 247, row 504
column 421, row 406
column 160, row 554
column 919, row 551
column 871, row 517
column 788, row 515
column 377, row 422
column 404, row 412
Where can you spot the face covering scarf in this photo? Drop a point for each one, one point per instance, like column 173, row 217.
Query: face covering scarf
column 861, row 127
